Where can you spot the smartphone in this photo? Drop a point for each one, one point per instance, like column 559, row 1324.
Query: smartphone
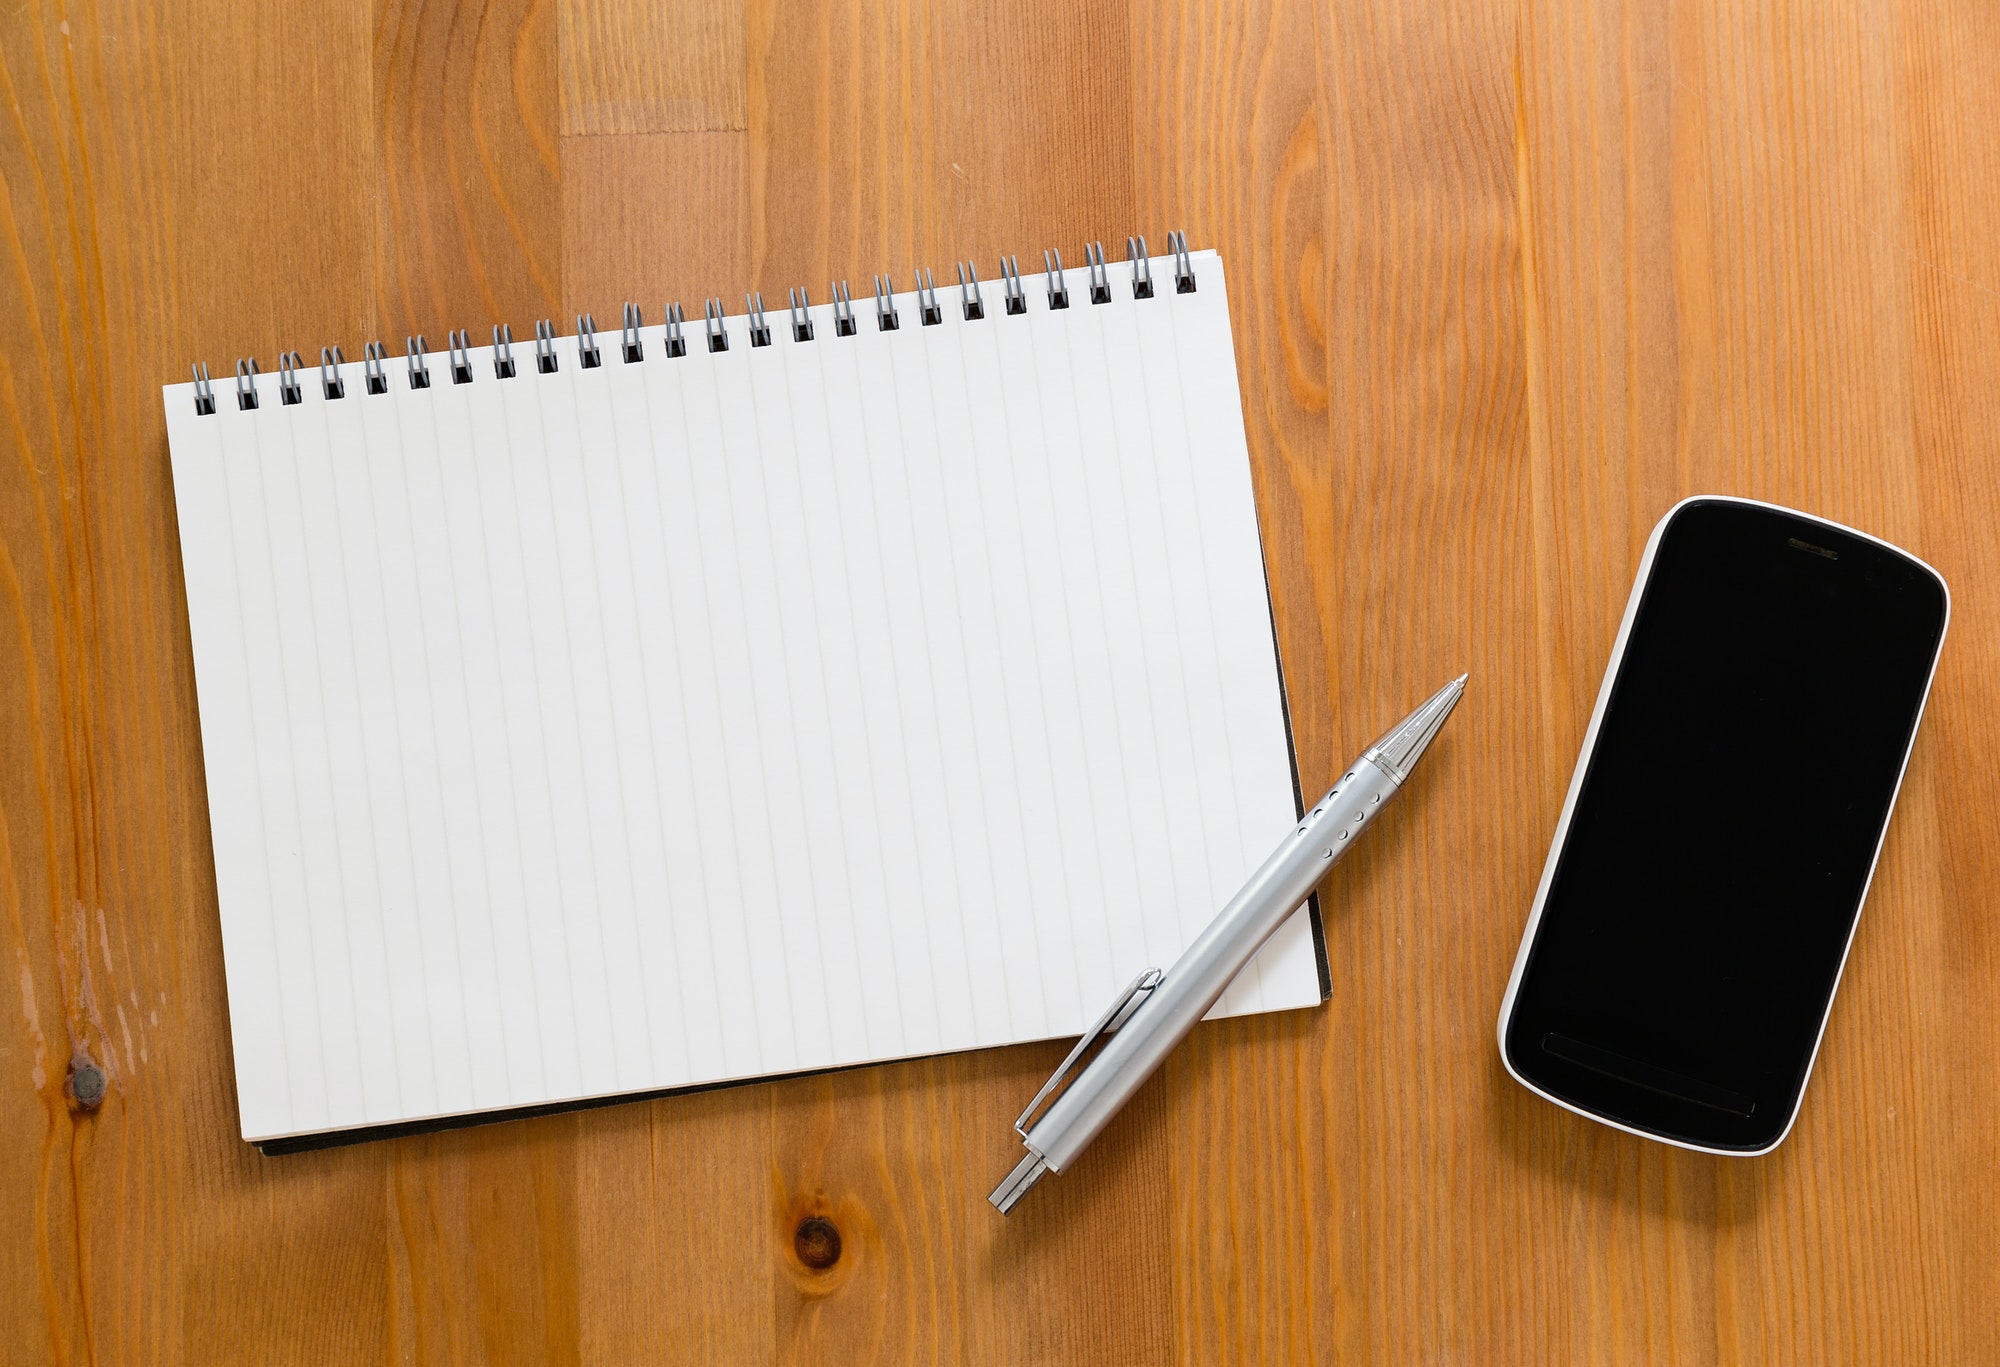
column 1722, row 825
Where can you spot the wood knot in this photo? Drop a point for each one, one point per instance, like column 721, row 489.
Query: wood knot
column 86, row 1084
column 817, row 1242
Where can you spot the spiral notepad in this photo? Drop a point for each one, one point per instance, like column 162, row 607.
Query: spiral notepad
column 607, row 715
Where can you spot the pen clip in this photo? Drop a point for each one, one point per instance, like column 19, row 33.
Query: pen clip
column 1114, row 1016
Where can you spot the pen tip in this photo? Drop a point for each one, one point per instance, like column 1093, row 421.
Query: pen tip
column 1399, row 750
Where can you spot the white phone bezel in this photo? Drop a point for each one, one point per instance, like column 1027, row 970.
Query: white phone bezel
column 1611, row 669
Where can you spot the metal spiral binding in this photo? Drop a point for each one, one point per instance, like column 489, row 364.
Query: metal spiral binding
column 289, row 389
column 330, row 383
column 1142, row 267
column 972, row 305
column 204, row 392
column 1183, row 263
column 968, row 292
column 1010, row 277
column 1100, row 275
column 628, row 336
column 927, row 304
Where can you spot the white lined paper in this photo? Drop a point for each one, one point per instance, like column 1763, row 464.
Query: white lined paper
column 658, row 724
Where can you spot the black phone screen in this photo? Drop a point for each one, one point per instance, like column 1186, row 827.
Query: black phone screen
column 1727, row 825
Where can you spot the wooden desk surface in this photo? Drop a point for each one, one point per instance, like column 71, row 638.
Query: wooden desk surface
column 1510, row 277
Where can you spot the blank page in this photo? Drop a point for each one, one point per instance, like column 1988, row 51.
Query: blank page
column 662, row 723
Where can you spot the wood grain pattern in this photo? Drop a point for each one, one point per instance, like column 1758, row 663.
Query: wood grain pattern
column 469, row 228
column 884, row 137
column 621, row 241
column 650, row 68
column 1507, row 277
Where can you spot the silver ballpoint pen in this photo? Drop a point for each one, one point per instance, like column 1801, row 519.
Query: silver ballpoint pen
column 1158, row 1010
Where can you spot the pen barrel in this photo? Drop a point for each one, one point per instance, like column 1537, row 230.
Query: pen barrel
column 1204, row 971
